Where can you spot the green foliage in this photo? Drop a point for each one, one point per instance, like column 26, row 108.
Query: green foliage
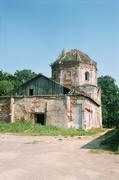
column 5, row 87
column 39, row 130
column 112, row 141
column 62, row 53
column 23, row 76
column 9, row 82
column 110, row 101
column 4, row 76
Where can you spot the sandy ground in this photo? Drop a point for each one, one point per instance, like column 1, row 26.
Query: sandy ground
column 53, row 158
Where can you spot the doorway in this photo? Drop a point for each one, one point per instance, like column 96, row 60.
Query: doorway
column 77, row 116
column 40, row 118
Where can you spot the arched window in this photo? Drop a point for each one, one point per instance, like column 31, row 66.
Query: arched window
column 87, row 76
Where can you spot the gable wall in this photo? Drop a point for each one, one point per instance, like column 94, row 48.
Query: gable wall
column 41, row 86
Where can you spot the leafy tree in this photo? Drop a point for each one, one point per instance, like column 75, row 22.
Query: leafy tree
column 5, row 87
column 5, row 76
column 9, row 82
column 110, row 101
column 23, row 76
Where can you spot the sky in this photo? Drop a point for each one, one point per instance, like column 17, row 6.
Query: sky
column 33, row 33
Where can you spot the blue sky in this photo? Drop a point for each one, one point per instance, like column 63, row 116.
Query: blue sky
column 33, row 33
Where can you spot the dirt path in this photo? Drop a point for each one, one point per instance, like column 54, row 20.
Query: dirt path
column 53, row 158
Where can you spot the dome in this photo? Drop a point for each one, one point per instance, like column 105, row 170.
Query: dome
column 74, row 55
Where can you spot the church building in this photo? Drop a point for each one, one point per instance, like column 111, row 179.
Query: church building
column 69, row 99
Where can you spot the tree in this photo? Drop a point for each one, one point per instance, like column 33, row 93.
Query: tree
column 5, row 87
column 23, row 76
column 10, row 82
column 5, row 76
column 110, row 101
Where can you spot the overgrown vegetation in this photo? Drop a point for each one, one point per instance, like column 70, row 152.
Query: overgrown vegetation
column 111, row 141
column 61, row 55
column 107, row 143
column 26, row 128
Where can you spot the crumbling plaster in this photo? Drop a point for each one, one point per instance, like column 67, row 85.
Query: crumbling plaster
column 58, row 110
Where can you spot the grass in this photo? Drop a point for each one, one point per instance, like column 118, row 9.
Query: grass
column 111, row 141
column 100, row 151
column 25, row 128
column 107, row 143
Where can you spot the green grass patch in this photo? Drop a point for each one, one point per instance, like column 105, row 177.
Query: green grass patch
column 100, row 151
column 25, row 128
column 111, row 141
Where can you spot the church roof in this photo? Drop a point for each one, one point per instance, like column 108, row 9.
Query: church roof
column 74, row 55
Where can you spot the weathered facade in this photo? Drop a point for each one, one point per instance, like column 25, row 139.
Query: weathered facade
column 71, row 99
column 60, row 111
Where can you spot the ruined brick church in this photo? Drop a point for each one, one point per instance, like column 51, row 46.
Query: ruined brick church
column 70, row 99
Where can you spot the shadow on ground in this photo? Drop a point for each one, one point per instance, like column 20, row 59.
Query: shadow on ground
column 107, row 142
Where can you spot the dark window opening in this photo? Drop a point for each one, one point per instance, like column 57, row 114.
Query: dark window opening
column 31, row 92
column 87, row 76
column 66, row 91
column 40, row 118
